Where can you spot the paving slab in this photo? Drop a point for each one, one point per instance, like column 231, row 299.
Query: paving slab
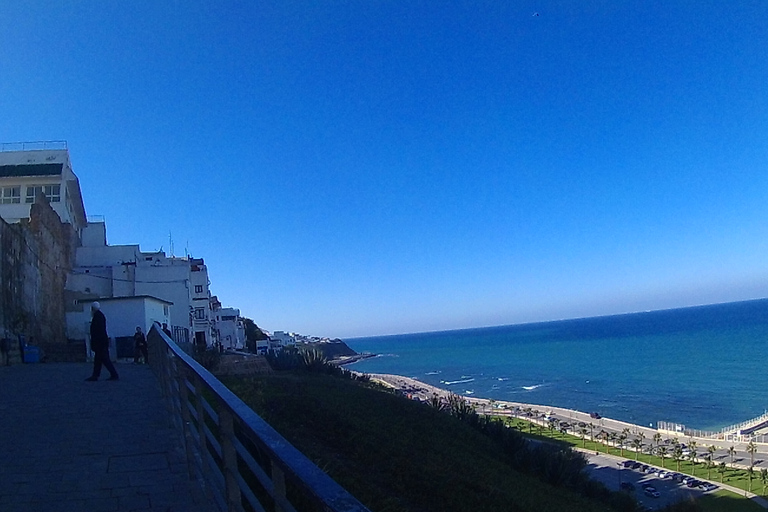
column 67, row 444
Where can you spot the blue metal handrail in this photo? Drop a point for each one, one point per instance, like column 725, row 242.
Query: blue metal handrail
column 237, row 456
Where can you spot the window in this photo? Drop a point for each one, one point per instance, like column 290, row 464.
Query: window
column 198, row 288
column 11, row 195
column 51, row 192
column 199, row 313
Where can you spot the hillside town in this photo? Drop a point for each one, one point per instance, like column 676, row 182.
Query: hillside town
column 55, row 261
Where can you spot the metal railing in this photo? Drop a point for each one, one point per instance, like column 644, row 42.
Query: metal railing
column 33, row 145
column 749, row 423
column 681, row 430
column 676, row 429
column 239, row 459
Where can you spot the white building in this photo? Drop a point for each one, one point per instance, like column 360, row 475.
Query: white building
column 28, row 170
column 103, row 270
column 123, row 315
column 229, row 328
column 283, row 339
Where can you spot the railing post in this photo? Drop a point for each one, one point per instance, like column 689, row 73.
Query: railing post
column 229, row 459
column 278, row 480
column 201, row 427
column 186, row 419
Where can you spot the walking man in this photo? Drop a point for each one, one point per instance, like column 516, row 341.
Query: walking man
column 100, row 344
column 140, row 347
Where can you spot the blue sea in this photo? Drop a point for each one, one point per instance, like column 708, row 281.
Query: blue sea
column 704, row 367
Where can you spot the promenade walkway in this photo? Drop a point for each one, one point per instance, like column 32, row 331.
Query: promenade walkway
column 69, row 445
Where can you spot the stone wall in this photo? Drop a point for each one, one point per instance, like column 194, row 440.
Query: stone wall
column 35, row 258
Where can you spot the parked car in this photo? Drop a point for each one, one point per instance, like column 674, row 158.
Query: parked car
column 706, row 486
column 693, row 483
column 653, row 493
column 635, row 465
column 644, row 468
column 627, row 463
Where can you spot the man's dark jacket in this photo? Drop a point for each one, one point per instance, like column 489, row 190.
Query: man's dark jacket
column 99, row 337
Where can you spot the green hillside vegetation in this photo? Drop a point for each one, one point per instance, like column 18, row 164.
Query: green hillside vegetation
column 395, row 454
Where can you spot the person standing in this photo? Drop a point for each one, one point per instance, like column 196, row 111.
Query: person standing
column 5, row 351
column 100, row 344
column 140, row 347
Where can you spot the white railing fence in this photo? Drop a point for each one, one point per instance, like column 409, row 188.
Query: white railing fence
column 33, row 145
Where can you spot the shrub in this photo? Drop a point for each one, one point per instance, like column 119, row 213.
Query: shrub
column 209, row 358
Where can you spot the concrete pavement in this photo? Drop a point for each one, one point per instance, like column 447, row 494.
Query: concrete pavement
column 70, row 445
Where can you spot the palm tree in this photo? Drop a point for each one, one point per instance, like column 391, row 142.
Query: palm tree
column 692, row 456
column 657, row 438
column 622, row 438
column 711, row 454
column 602, row 436
column 677, row 455
column 708, row 458
column 641, row 435
column 751, row 475
column 721, row 470
column 637, row 444
column 662, row 450
column 553, row 425
column 583, row 432
column 751, row 449
column 731, row 452
column 591, row 431
column 612, row 438
column 764, row 478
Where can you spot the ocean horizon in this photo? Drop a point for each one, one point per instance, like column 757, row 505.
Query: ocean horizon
column 701, row 366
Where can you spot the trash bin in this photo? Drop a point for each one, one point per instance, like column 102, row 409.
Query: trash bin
column 31, row 354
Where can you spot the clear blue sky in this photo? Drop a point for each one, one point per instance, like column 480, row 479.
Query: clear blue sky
column 374, row 167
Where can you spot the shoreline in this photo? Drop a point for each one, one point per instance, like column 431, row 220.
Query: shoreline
column 416, row 389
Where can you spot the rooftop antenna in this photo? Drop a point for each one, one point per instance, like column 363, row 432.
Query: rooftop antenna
column 186, row 250
column 170, row 242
